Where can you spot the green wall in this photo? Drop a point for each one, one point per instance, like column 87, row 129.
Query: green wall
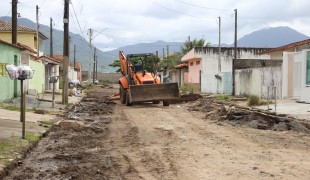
column 37, row 81
column 8, row 87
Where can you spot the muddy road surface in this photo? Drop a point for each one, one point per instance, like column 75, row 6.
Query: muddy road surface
column 197, row 140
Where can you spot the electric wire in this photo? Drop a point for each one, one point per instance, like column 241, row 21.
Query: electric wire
column 194, row 5
column 177, row 12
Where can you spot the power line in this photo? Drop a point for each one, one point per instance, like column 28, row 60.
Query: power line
column 177, row 12
column 77, row 20
column 194, row 5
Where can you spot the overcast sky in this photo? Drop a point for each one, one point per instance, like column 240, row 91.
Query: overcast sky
column 137, row 21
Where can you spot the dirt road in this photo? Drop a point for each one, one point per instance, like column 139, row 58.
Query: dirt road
column 146, row 141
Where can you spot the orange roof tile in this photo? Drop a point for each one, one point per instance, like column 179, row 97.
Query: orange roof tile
column 6, row 26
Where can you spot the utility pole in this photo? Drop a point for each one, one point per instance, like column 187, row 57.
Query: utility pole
column 14, row 21
column 66, row 53
column 163, row 53
column 190, row 43
column 219, row 63
column 74, row 51
column 51, row 37
column 37, row 15
column 94, row 65
column 90, row 54
column 235, row 56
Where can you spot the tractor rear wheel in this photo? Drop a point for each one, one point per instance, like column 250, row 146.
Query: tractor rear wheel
column 128, row 103
column 122, row 94
column 165, row 103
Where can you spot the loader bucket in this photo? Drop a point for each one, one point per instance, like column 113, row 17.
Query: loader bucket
column 153, row 92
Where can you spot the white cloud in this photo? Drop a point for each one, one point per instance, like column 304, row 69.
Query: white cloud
column 135, row 21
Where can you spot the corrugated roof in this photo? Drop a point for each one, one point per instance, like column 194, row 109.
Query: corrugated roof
column 6, row 26
column 288, row 46
column 49, row 58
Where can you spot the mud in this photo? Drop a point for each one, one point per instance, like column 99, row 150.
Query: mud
column 225, row 111
column 204, row 139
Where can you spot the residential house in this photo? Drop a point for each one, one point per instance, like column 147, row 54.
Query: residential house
column 296, row 69
column 27, row 37
column 213, row 73
column 179, row 74
column 77, row 66
column 9, row 54
column 72, row 73
column 52, row 67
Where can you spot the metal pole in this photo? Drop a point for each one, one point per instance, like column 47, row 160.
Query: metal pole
column 74, row 56
column 14, row 21
column 268, row 98
column 275, row 99
column 235, row 56
column 22, row 108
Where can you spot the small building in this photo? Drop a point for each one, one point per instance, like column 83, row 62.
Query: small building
column 296, row 69
column 52, row 67
column 72, row 73
column 25, row 35
column 213, row 73
column 77, row 66
column 10, row 54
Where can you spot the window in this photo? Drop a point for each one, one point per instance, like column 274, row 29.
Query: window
column 1, row 70
column 191, row 63
column 5, row 73
column 308, row 69
column 197, row 62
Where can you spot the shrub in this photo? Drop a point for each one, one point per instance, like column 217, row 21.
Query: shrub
column 222, row 97
column 253, row 100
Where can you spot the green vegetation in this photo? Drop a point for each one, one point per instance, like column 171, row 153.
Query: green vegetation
column 8, row 150
column 253, row 100
column 187, row 45
column 17, row 108
column 187, row 88
column 32, row 138
column 223, row 97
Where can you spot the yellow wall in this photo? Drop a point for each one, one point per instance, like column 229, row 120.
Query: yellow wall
column 22, row 37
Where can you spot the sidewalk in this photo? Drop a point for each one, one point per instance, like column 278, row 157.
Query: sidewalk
column 287, row 106
column 11, row 145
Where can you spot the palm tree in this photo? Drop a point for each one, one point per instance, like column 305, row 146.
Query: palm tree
column 187, row 46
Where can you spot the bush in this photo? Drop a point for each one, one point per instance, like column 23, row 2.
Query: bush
column 253, row 100
column 187, row 88
column 222, row 97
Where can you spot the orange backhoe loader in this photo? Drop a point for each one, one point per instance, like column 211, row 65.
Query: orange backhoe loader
column 140, row 83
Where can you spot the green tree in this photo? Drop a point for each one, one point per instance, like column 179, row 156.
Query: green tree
column 171, row 61
column 116, row 63
column 195, row 43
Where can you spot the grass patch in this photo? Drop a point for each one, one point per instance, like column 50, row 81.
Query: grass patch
column 253, row 100
column 223, row 97
column 10, row 150
column 187, row 88
column 17, row 108
column 32, row 138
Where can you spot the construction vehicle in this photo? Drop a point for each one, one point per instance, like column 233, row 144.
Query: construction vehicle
column 140, row 83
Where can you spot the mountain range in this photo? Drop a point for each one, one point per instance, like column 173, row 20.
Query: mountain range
column 267, row 37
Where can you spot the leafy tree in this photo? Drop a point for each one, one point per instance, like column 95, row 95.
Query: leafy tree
column 116, row 63
column 195, row 43
column 171, row 61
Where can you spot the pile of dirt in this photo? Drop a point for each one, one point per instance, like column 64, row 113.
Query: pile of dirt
column 226, row 111
column 186, row 98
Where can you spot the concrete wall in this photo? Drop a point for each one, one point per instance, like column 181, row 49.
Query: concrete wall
column 26, row 38
column 215, row 80
column 294, row 73
column 8, row 88
column 255, row 81
column 194, row 67
column 38, row 81
column 111, row 77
